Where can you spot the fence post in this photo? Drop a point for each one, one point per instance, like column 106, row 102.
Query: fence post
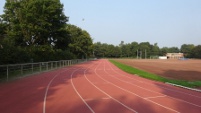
column 32, row 67
column 7, row 72
column 40, row 66
column 47, row 65
column 21, row 69
column 51, row 65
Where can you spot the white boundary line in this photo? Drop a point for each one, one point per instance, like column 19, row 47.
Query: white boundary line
column 47, row 88
column 137, row 94
column 108, row 94
column 155, row 97
column 160, row 93
column 159, row 86
column 79, row 93
column 183, row 87
column 165, row 95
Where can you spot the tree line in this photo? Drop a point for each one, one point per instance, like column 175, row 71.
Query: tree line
column 37, row 30
column 143, row 50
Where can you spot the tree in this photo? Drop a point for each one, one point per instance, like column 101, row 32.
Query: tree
column 196, row 52
column 3, row 26
column 144, row 49
column 155, row 50
column 34, row 22
column 164, row 51
column 173, row 50
column 134, row 48
column 36, row 28
column 80, row 41
column 97, row 50
column 186, row 49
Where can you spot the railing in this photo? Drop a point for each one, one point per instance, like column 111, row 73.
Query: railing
column 14, row 71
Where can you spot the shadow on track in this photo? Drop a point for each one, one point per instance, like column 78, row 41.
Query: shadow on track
column 27, row 94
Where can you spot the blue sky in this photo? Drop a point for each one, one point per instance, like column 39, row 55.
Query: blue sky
column 166, row 22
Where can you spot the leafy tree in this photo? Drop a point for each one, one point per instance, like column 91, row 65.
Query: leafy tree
column 106, row 50
column 3, row 26
column 34, row 22
column 36, row 28
column 196, row 52
column 164, row 51
column 173, row 50
column 97, row 50
column 155, row 50
column 125, row 50
column 80, row 41
column 144, row 47
column 186, row 49
column 133, row 49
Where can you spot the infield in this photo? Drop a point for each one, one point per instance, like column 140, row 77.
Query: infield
column 174, row 70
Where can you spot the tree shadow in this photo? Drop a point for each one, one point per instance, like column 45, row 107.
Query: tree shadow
column 108, row 106
column 26, row 95
column 179, row 99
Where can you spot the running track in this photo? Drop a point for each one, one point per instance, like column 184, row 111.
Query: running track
column 94, row 87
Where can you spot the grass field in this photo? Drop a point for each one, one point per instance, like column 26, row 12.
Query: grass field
column 150, row 69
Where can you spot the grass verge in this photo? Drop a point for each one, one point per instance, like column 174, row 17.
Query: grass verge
column 144, row 74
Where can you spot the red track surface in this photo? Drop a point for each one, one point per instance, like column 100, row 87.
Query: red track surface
column 95, row 86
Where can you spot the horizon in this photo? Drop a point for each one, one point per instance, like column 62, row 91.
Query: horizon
column 168, row 23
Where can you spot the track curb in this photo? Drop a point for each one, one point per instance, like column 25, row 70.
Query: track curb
column 193, row 89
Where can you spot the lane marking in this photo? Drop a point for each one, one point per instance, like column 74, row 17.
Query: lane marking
column 137, row 94
column 108, row 94
column 152, row 84
column 161, row 93
column 198, row 90
column 47, row 88
column 158, row 92
column 155, row 97
column 162, row 105
column 97, row 99
column 79, row 93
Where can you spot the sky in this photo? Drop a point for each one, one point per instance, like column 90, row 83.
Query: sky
column 169, row 23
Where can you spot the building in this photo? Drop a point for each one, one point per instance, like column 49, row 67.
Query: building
column 174, row 55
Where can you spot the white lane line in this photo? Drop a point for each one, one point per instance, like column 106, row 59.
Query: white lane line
column 198, row 90
column 158, row 86
column 137, row 94
column 165, row 95
column 47, row 88
column 155, row 97
column 79, row 93
column 95, row 99
column 170, row 96
column 158, row 92
column 163, row 106
column 108, row 94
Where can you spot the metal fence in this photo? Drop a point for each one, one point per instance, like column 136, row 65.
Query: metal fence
column 14, row 71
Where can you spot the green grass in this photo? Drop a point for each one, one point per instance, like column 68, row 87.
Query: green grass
column 144, row 74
